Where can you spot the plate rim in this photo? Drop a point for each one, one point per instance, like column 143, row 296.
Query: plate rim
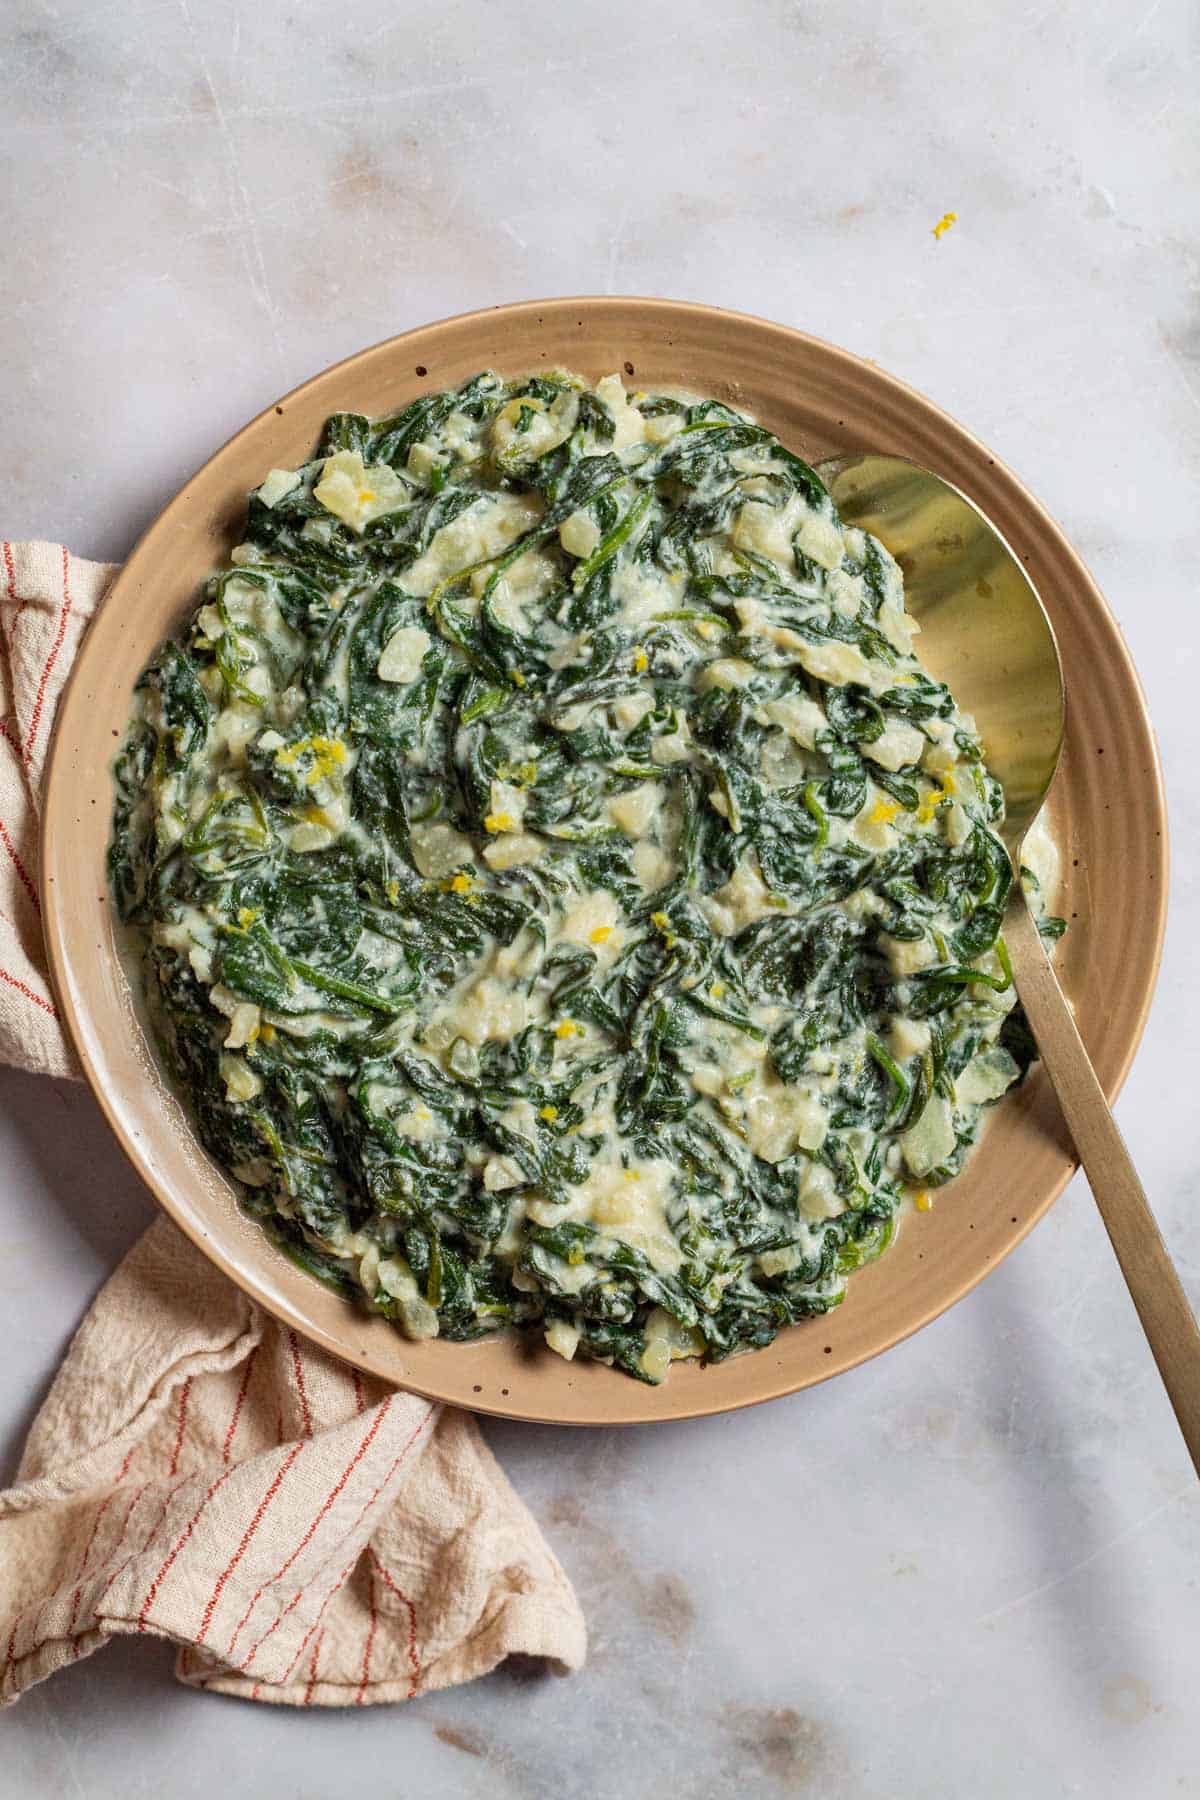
column 58, row 937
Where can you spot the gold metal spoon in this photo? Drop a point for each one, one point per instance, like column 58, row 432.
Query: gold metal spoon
column 986, row 634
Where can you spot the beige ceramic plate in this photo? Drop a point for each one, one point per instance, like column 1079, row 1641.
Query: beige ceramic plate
column 1108, row 808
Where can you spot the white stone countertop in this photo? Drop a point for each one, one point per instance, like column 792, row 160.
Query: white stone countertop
column 969, row 1568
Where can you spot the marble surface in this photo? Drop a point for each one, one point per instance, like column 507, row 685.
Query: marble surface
column 969, row 1569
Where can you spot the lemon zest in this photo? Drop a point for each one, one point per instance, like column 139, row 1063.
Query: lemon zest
column 327, row 754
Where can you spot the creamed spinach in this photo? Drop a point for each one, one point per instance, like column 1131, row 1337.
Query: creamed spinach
column 567, row 903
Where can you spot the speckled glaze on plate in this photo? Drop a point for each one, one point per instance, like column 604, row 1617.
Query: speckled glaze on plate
column 1107, row 807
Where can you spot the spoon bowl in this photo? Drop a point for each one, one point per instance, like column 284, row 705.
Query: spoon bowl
column 984, row 631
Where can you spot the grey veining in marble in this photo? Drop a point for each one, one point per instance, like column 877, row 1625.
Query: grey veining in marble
column 969, row 1569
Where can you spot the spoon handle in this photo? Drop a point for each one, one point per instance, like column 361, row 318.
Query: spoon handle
column 1155, row 1287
